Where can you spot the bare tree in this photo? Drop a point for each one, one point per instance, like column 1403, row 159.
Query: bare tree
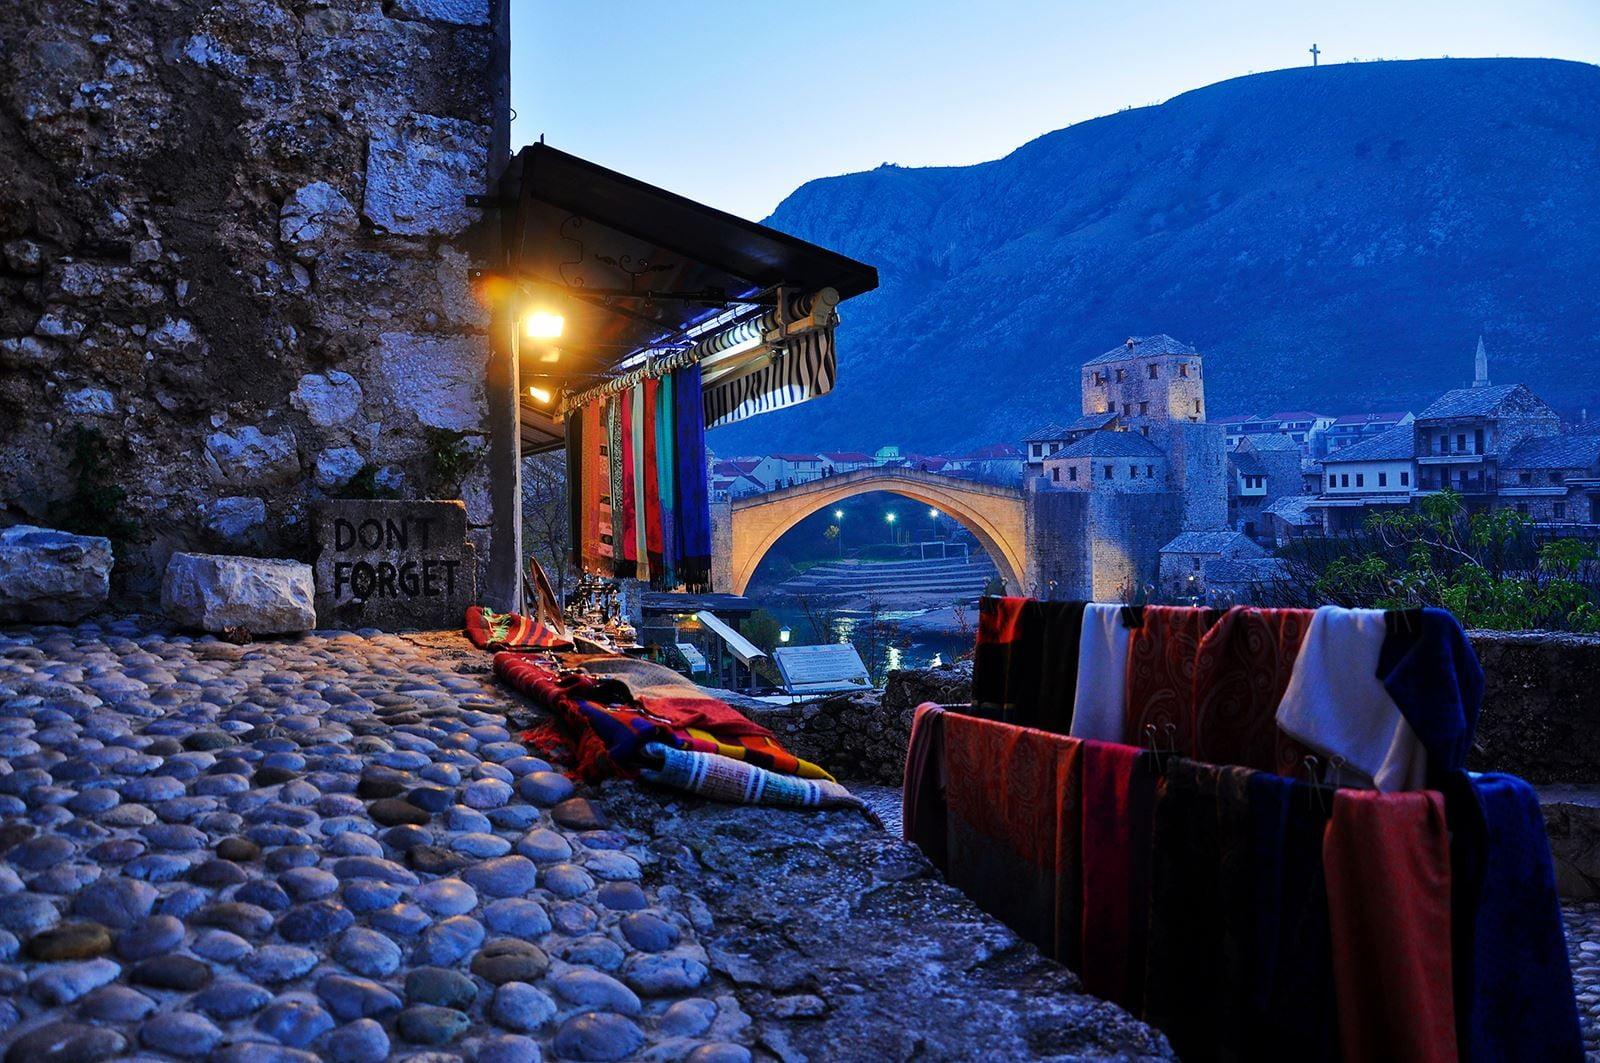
column 545, row 519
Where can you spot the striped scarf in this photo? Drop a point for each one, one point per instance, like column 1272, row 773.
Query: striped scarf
column 725, row 779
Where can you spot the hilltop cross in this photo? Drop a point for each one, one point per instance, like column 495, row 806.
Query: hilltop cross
column 1315, row 51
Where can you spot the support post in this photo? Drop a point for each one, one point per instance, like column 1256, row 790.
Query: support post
column 504, row 590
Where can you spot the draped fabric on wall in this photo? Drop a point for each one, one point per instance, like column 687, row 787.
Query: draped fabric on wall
column 806, row 370
column 639, row 506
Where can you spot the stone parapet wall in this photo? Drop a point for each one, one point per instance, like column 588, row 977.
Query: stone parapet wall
column 234, row 244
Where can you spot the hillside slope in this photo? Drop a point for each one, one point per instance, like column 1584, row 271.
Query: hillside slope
column 1332, row 238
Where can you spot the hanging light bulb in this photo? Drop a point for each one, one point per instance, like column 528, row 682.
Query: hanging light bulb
column 540, row 395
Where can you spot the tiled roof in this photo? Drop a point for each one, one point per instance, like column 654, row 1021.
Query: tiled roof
column 847, row 456
column 1044, row 433
column 1394, row 444
column 1296, row 415
column 1246, row 462
column 1293, row 509
column 1473, row 402
column 798, row 457
column 1372, row 418
column 1111, row 445
column 1143, row 347
column 1237, row 418
column 1554, row 452
column 1246, row 570
column 1269, row 441
column 735, row 466
column 994, row 451
column 1212, row 542
column 1090, row 422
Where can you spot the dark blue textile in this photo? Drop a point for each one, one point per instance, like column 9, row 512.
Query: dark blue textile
column 1430, row 670
column 692, row 519
column 1517, row 1001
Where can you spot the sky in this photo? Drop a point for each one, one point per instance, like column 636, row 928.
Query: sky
column 738, row 104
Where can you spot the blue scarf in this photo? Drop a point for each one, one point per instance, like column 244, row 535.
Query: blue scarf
column 691, row 524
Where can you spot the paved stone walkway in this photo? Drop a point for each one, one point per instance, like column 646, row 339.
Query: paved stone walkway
column 1583, row 949
column 334, row 847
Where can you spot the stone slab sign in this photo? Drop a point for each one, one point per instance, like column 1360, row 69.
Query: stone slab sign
column 394, row 565
column 220, row 592
column 52, row 576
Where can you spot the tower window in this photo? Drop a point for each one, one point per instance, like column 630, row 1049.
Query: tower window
column 1108, row 472
column 1196, row 405
column 1183, row 369
column 1152, row 371
column 1121, row 375
column 1133, row 472
column 1072, row 473
column 1150, row 471
column 1144, row 408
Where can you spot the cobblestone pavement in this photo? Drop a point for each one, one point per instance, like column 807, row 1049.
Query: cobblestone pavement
column 332, row 847
column 1583, row 948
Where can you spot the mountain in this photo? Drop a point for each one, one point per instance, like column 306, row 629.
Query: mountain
column 1332, row 238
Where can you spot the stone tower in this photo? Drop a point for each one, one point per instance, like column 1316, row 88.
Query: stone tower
column 1480, row 367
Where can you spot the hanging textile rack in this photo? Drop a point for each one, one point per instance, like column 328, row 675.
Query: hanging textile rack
column 720, row 353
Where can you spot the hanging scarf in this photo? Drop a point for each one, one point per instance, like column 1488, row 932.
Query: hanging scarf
column 614, row 467
column 596, row 490
column 628, row 536
column 576, row 459
column 693, row 524
column 650, row 515
column 666, row 481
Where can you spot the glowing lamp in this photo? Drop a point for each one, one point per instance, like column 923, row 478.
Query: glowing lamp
column 540, row 395
column 838, row 514
column 543, row 325
column 934, row 513
column 783, row 634
column 889, row 517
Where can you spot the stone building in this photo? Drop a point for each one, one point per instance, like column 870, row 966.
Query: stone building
column 1553, row 479
column 235, row 243
column 1139, row 467
column 1379, row 473
column 1184, row 559
column 1147, row 376
column 1463, row 436
column 1262, row 469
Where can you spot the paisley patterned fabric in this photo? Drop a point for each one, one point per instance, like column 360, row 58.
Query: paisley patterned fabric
column 1162, row 655
column 1013, row 829
column 1242, row 667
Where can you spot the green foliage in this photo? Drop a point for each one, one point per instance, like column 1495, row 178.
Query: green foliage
column 93, row 505
column 761, row 628
column 364, row 485
column 449, row 458
column 1483, row 567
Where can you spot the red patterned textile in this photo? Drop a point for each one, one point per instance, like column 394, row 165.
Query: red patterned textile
column 627, row 535
column 1014, row 822
column 1387, row 862
column 1161, row 666
column 652, row 480
column 1242, row 667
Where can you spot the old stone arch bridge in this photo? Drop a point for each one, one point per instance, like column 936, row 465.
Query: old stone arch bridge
column 994, row 515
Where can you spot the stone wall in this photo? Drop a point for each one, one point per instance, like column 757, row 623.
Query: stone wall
column 234, row 246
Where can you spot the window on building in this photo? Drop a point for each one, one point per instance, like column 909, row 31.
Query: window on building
column 1344, row 479
column 1524, row 477
column 1055, row 474
column 1072, row 473
column 1555, row 478
column 1183, row 369
column 1383, row 479
column 1361, row 480
column 1144, row 409
column 1121, row 375
column 1038, row 450
column 1559, row 510
column 1196, row 405
column 1461, row 442
column 1105, row 407
column 1331, row 483
column 1477, row 441
column 1127, row 409
column 1150, row 470
column 1108, row 472
column 1405, row 479
column 1152, row 369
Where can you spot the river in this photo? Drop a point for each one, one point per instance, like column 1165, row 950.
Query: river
column 906, row 638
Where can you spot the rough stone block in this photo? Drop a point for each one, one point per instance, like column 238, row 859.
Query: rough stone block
column 460, row 12
column 239, row 520
column 215, row 592
column 439, row 379
column 248, row 455
column 391, row 565
column 327, row 398
column 52, row 576
column 419, row 175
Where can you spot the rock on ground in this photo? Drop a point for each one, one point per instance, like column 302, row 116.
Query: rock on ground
column 48, row 575
column 215, row 592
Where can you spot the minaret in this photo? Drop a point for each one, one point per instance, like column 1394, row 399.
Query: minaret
column 1480, row 367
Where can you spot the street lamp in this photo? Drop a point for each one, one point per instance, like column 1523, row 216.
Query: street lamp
column 933, row 513
column 783, row 634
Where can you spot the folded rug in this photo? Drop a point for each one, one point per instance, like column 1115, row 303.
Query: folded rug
column 611, row 724
column 725, row 779
column 494, row 631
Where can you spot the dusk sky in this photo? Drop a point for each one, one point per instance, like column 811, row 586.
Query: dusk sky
column 737, row 104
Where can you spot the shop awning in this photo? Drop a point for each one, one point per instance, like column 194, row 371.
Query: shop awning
column 631, row 268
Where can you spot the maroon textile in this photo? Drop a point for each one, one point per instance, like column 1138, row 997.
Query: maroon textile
column 1162, row 652
column 1242, row 668
column 1118, row 805
column 924, row 817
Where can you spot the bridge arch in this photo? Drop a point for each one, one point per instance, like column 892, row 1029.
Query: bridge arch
column 994, row 515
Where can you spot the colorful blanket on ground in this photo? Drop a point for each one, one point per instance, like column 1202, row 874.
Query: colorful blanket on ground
column 609, row 724
column 494, row 631
column 725, row 779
